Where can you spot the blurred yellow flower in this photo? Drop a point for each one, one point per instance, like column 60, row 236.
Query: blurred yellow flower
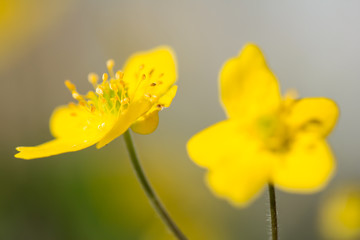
column 267, row 138
column 340, row 214
column 130, row 98
column 23, row 23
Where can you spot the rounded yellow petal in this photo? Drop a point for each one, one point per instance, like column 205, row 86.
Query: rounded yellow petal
column 314, row 114
column 157, row 67
column 307, row 166
column 146, row 124
column 238, row 167
column 239, row 183
column 208, row 147
column 248, row 87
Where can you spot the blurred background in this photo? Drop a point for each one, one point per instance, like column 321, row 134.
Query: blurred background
column 312, row 46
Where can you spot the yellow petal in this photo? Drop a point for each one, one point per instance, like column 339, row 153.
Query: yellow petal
column 124, row 120
column 74, row 121
column 146, row 124
column 207, row 147
column 248, row 87
column 166, row 99
column 149, row 122
column 237, row 168
column 74, row 129
column 155, row 66
column 54, row 147
column 307, row 166
column 239, row 184
column 314, row 114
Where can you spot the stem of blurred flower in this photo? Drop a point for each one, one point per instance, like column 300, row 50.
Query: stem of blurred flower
column 273, row 212
column 148, row 189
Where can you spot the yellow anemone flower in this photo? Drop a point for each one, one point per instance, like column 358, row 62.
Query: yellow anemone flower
column 129, row 98
column 266, row 138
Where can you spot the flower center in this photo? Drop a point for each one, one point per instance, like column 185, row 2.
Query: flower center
column 274, row 133
column 115, row 94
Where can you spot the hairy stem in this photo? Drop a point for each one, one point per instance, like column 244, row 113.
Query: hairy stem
column 273, row 212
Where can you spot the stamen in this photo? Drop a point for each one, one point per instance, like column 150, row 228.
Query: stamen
column 160, row 106
column 114, row 87
column 153, row 84
column 90, row 95
column 110, row 65
column 99, row 90
column 124, row 101
column 93, row 79
column 119, row 75
column 151, row 72
column 70, row 85
column 143, row 77
column 105, row 77
column 76, row 95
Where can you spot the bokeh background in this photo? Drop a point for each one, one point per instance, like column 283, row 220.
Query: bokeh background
column 312, row 46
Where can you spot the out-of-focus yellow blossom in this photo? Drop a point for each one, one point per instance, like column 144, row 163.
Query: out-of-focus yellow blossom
column 129, row 98
column 340, row 214
column 23, row 22
column 266, row 138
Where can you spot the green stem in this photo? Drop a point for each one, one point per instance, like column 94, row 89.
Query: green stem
column 160, row 209
column 273, row 212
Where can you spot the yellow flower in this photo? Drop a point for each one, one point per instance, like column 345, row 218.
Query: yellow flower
column 340, row 214
column 266, row 138
column 129, row 98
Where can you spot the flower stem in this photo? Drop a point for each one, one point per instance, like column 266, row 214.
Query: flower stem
column 160, row 209
column 273, row 212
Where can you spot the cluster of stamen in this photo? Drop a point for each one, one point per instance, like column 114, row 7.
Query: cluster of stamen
column 112, row 94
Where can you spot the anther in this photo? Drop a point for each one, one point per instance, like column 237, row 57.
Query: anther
column 119, row 75
column 110, row 64
column 151, row 72
column 161, row 75
column 105, row 77
column 76, row 95
column 141, row 67
column 70, row 85
column 99, row 91
column 160, row 106
column 153, row 84
column 143, row 77
column 147, row 95
column 93, row 78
